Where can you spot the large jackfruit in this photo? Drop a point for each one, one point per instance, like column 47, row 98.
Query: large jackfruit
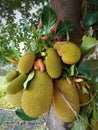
column 26, row 62
column 37, row 98
column 61, row 107
column 15, row 99
column 11, row 75
column 17, row 84
column 53, row 63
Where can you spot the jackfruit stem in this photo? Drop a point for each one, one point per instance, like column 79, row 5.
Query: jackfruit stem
column 67, row 36
column 39, row 65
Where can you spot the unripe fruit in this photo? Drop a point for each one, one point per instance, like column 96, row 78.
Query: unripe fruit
column 15, row 99
column 70, row 53
column 53, row 63
column 26, row 62
column 61, row 107
column 37, row 98
column 17, row 84
column 11, row 75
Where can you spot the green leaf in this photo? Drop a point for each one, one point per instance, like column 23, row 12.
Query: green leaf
column 85, row 90
column 30, row 76
column 91, row 18
column 87, row 43
column 93, row 1
column 80, row 124
column 89, row 68
column 95, row 114
column 63, row 28
column 13, row 52
column 48, row 18
column 20, row 113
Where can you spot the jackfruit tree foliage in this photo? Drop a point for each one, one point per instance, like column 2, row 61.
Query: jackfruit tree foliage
column 7, row 8
column 63, row 92
column 14, row 33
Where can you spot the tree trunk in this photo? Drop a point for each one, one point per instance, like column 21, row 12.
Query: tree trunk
column 68, row 10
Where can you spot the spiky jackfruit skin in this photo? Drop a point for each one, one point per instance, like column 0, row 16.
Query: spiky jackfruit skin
column 15, row 99
column 53, row 63
column 70, row 53
column 17, row 84
column 11, row 75
column 70, row 92
column 57, row 46
column 94, row 124
column 37, row 98
column 26, row 62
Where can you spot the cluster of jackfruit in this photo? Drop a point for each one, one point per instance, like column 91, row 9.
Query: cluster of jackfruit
column 48, row 86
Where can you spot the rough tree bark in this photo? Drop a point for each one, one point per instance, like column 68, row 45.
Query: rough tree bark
column 69, row 10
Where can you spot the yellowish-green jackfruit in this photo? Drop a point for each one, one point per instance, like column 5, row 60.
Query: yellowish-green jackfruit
column 53, row 63
column 26, row 62
column 57, row 46
column 68, row 90
column 15, row 99
column 11, row 75
column 37, row 98
column 17, row 84
column 94, row 124
column 70, row 53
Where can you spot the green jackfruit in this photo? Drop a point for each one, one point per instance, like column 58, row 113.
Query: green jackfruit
column 70, row 53
column 17, row 84
column 61, row 108
column 37, row 98
column 11, row 75
column 15, row 99
column 84, row 98
column 26, row 62
column 53, row 63
column 94, row 124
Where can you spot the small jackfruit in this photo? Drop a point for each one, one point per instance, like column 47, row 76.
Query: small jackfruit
column 61, row 107
column 84, row 98
column 11, row 75
column 26, row 62
column 17, row 84
column 37, row 98
column 53, row 63
column 94, row 124
column 70, row 53
column 15, row 99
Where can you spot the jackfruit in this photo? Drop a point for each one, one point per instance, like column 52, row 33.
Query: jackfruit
column 17, row 84
column 11, row 75
column 70, row 53
column 94, row 124
column 15, row 99
column 53, row 63
column 26, row 62
column 84, row 98
column 69, row 91
column 37, row 98
column 57, row 46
